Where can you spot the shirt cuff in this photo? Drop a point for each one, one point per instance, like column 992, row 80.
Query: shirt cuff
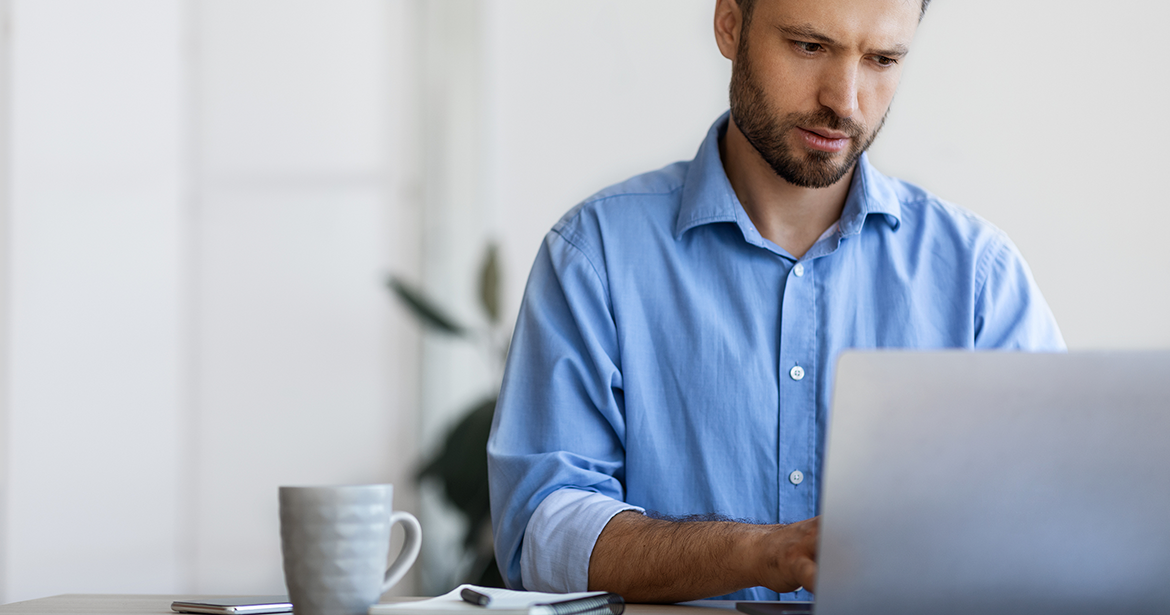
column 560, row 536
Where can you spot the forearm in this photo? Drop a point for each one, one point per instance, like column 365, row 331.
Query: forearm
column 651, row 560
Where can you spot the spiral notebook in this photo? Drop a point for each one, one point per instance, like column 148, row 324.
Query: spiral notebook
column 508, row 602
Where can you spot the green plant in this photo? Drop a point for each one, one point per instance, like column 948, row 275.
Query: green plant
column 460, row 465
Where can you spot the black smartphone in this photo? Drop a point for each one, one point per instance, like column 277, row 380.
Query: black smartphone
column 233, row 605
column 775, row 608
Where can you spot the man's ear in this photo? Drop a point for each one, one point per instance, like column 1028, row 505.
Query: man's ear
column 728, row 27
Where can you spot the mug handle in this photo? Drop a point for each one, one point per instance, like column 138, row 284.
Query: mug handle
column 410, row 548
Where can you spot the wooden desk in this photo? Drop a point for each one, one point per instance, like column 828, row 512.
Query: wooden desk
column 140, row 604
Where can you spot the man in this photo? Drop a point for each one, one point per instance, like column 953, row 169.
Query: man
column 661, row 425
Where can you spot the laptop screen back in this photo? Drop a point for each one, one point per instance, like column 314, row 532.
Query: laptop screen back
column 959, row 482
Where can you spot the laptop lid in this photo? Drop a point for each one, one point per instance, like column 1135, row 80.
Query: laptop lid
column 968, row 482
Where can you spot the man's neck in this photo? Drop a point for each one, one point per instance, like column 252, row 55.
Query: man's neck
column 790, row 216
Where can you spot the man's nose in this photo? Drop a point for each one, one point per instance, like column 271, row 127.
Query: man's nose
column 838, row 89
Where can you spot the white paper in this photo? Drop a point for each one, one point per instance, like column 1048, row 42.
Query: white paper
column 501, row 600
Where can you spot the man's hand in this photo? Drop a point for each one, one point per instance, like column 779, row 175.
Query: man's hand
column 794, row 551
column 650, row 560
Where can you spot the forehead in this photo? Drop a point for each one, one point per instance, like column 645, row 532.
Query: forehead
column 870, row 23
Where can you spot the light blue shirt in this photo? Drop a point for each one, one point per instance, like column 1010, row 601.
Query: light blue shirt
column 669, row 359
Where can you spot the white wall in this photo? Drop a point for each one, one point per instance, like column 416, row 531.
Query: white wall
column 94, row 411
column 5, row 239
column 205, row 199
column 304, row 372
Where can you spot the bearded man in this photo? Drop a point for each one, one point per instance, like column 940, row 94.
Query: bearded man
column 662, row 419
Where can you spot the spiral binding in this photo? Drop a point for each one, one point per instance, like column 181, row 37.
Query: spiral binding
column 605, row 604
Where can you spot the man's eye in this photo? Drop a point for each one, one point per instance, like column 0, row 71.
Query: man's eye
column 884, row 61
column 807, row 47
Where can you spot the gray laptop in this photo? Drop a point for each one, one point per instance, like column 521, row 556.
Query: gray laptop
column 959, row 482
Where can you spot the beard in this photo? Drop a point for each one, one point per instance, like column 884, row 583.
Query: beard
column 770, row 136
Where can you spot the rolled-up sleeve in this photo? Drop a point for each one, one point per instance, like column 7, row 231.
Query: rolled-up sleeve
column 559, row 422
column 560, row 537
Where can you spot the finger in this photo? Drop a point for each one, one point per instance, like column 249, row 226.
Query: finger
column 806, row 575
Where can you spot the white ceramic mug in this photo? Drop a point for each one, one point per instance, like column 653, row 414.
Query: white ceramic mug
column 336, row 541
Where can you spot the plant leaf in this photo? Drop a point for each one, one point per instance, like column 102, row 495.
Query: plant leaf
column 461, row 467
column 489, row 283
column 422, row 307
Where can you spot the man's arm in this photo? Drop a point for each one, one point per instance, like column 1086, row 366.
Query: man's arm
column 651, row 560
column 559, row 425
column 1010, row 312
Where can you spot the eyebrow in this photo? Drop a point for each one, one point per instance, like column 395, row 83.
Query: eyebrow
column 809, row 33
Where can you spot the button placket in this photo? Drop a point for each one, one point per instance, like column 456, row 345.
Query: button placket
column 798, row 410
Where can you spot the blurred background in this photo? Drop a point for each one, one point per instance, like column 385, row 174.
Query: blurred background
column 202, row 201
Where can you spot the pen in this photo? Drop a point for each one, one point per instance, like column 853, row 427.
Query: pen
column 600, row 604
column 474, row 597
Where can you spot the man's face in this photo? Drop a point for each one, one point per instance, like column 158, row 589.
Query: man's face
column 812, row 81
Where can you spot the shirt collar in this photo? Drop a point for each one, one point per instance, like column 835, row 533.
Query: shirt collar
column 708, row 197
column 869, row 193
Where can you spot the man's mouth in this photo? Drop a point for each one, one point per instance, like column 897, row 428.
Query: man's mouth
column 824, row 139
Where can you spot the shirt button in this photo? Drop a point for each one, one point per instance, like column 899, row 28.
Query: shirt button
column 796, row 477
column 797, row 373
column 798, row 270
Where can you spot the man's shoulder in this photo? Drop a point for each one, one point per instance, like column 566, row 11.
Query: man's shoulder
column 650, row 199
column 928, row 215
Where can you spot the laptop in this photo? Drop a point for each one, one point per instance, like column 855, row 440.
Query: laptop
column 995, row 482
